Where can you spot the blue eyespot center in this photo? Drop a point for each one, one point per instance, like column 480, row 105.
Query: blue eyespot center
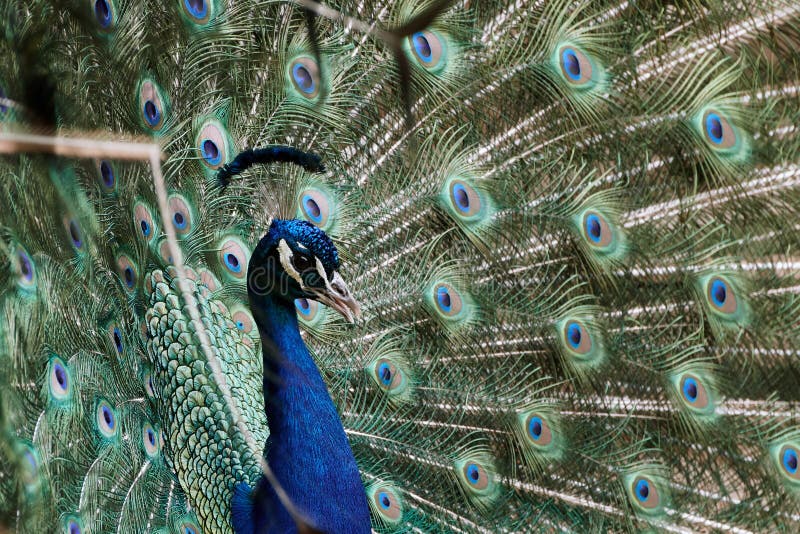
column 574, row 335
column 128, row 273
column 384, row 500
column 714, row 128
column 473, row 474
column 790, row 460
column 73, row 527
column 422, row 46
column 572, row 66
column 25, row 267
column 461, row 197
column 443, row 298
column 690, row 389
column 233, row 262
column 211, row 152
column 535, row 428
column 719, row 292
column 593, row 228
column 303, row 78
column 75, row 234
column 385, row 374
column 312, row 209
column 107, row 174
column 102, row 10
column 151, row 113
column 117, row 340
column 151, row 436
column 197, row 8
column 108, row 417
column 189, row 530
column 642, row 490
column 145, row 228
column 180, row 220
column 304, row 306
column 3, row 107
column 61, row 375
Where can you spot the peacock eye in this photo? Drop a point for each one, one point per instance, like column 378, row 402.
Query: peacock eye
column 152, row 105
column 304, row 74
column 74, row 233
column 197, row 10
column 717, row 130
column 104, row 13
column 108, row 178
column 427, row 48
column 302, row 263
column 645, row 493
column 789, row 461
column 721, row 296
column 212, row 142
column 150, row 440
column 59, row 379
column 575, row 65
column 106, row 419
column 181, row 214
column 539, row 431
column 73, row 527
column 577, row 337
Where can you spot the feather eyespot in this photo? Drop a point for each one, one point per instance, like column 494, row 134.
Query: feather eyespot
column 721, row 295
column 73, row 527
column 116, row 338
column 304, row 76
column 198, row 11
column 428, row 49
column 788, row 456
column 645, row 493
column 475, row 475
column 189, row 527
column 717, row 131
column 465, row 199
column 307, row 308
column 106, row 418
column 538, row 430
column 143, row 219
column 127, row 273
column 386, row 502
column 107, row 175
column 577, row 338
column 150, row 440
column 181, row 214
column 693, row 392
column 597, row 230
column 317, row 206
column 576, row 67
column 243, row 321
column 24, row 267
column 233, row 257
column 213, row 144
column 30, row 467
column 104, row 14
column 74, row 233
column 152, row 105
column 448, row 300
column 59, row 379
column 388, row 375
column 148, row 385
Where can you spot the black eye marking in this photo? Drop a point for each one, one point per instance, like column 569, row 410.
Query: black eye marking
column 302, row 263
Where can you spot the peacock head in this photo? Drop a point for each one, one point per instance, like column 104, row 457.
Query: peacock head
column 295, row 259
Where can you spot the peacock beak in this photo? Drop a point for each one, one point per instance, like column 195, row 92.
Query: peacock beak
column 338, row 296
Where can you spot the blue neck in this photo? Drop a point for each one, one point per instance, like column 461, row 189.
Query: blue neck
column 307, row 449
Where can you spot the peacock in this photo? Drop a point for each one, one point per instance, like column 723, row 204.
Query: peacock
column 399, row 266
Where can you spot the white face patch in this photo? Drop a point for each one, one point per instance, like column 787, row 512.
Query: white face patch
column 286, row 261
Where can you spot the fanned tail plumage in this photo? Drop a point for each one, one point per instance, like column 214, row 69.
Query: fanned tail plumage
column 575, row 252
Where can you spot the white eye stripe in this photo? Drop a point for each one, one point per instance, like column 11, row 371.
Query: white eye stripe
column 286, row 261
